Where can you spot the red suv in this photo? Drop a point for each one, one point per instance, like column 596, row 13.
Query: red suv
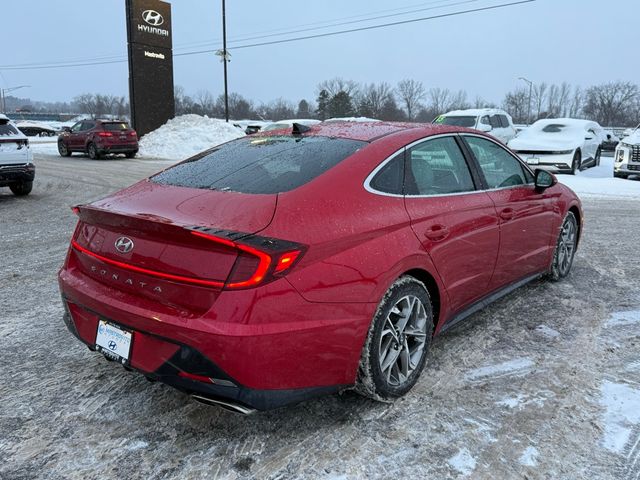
column 290, row 264
column 97, row 138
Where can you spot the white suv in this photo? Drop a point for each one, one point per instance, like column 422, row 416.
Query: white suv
column 490, row 120
column 627, row 156
column 16, row 160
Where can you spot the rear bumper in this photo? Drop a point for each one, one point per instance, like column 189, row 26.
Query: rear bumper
column 105, row 149
column 264, row 348
column 12, row 174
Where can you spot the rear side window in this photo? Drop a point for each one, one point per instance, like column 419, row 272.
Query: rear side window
column 390, row 177
column 260, row 165
column 437, row 167
column 115, row 127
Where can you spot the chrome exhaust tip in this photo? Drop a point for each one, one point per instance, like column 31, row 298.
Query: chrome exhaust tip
column 227, row 405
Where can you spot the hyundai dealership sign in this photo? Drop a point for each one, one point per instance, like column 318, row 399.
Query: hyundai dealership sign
column 150, row 63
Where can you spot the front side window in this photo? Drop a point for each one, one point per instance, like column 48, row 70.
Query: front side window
column 505, row 121
column 495, row 121
column 262, row 165
column 499, row 167
column 437, row 167
column 76, row 127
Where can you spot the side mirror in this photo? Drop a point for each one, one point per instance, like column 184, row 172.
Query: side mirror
column 483, row 127
column 544, row 179
column 66, row 129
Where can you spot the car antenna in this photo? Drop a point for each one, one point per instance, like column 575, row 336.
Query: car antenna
column 299, row 129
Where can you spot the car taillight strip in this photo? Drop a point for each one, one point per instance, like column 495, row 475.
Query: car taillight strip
column 154, row 273
column 263, row 265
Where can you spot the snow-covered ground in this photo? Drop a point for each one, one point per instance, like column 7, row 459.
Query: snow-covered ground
column 599, row 182
column 186, row 135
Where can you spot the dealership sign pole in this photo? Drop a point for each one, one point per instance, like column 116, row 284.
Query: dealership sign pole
column 150, row 49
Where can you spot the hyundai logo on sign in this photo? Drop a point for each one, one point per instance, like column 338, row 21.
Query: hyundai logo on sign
column 112, row 345
column 124, row 245
column 152, row 18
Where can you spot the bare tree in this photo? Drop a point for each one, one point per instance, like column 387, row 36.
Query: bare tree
column 439, row 100
column 517, row 104
column 612, row 103
column 338, row 84
column 411, row 94
column 539, row 96
column 577, row 103
column 372, row 99
column 205, row 101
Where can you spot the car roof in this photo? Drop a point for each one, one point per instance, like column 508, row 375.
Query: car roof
column 371, row 131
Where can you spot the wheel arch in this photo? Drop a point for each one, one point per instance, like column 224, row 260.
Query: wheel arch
column 432, row 287
column 576, row 212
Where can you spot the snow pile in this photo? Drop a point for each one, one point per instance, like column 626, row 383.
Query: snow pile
column 599, row 182
column 184, row 136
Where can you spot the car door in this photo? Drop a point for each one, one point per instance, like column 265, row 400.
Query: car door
column 72, row 140
column 497, row 130
column 591, row 143
column 456, row 224
column 526, row 215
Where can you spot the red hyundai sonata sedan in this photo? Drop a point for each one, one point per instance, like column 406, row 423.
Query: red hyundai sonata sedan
column 282, row 266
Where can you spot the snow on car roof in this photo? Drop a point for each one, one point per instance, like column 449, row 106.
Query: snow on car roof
column 474, row 112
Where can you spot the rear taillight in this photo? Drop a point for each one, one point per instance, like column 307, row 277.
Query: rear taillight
column 259, row 260
column 133, row 133
column 105, row 134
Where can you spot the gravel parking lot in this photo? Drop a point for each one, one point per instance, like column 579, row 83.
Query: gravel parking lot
column 544, row 384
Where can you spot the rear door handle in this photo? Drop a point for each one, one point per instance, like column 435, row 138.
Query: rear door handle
column 507, row 214
column 437, row 233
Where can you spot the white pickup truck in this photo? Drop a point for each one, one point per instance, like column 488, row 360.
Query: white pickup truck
column 17, row 170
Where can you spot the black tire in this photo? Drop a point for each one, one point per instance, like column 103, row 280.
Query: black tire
column 63, row 150
column 21, row 189
column 576, row 163
column 598, row 156
column 92, row 151
column 620, row 175
column 130, row 154
column 387, row 338
column 566, row 246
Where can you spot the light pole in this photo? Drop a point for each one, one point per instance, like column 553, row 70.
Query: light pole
column 225, row 58
column 3, row 95
column 530, row 91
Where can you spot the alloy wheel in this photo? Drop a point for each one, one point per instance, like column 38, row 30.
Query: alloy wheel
column 566, row 245
column 403, row 339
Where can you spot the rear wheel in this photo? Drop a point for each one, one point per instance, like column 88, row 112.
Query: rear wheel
column 565, row 248
column 130, row 154
column 63, row 150
column 93, row 151
column 576, row 163
column 395, row 351
column 21, row 189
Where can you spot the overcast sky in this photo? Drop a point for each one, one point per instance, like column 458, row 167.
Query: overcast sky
column 580, row 41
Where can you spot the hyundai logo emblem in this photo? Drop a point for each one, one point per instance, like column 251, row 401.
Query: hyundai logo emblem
column 112, row 345
column 124, row 245
column 152, row 18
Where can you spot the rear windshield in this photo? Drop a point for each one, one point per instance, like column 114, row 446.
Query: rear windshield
column 115, row 127
column 554, row 128
column 260, row 165
column 458, row 121
column 7, row 129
